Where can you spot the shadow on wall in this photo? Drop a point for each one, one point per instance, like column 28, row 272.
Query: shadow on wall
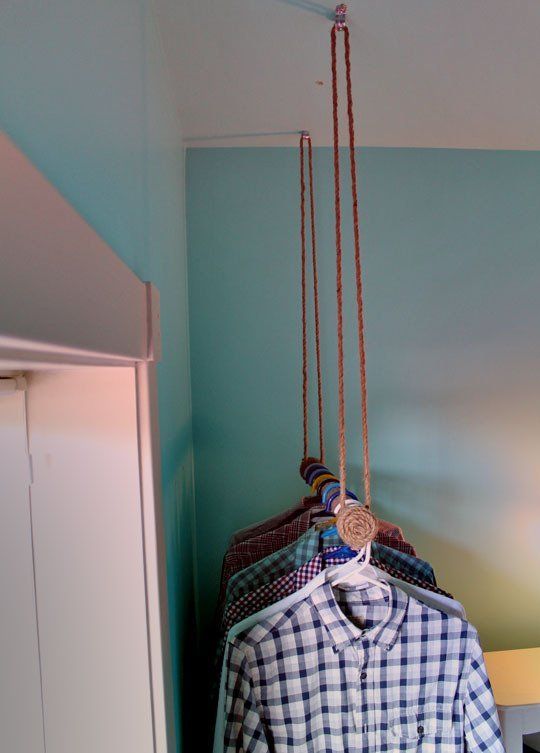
column 177, row 479
column 312, row 7
column 499, row 594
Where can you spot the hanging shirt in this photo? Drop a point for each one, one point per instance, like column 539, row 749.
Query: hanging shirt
column 276, row 521
column 245, row 553
column 433, row 597
column 275, row 565
column 274, row 590
column 294, row 555
column 407, row 564
column 450, row 606
column 341, row 676
column 268, row 540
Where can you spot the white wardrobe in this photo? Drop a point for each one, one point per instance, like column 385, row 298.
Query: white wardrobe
column 84, row 636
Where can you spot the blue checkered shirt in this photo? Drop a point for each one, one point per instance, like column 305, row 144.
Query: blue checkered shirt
column 329, row 676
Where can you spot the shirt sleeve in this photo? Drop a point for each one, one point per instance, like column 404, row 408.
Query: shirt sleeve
column 244, row 728
column 482, row 730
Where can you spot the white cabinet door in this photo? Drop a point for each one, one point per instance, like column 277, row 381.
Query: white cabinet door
column 21, row 720
column 90, row 578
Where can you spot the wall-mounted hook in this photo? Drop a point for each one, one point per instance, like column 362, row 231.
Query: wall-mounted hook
column 341, row 16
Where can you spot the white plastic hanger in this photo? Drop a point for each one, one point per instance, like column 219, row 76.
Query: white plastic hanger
column 354, row 574
column 360, row 575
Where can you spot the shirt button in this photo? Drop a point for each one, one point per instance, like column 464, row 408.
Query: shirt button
column 363, row 675
column 420, row 729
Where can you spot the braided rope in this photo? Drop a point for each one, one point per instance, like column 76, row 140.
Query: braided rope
column 304, row 313
column 339, row 284
column 305, row 377
column 316, row 303
column 356, row 525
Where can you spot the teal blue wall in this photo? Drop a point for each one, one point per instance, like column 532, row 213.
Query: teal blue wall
column 452, row 265
column 84, row 94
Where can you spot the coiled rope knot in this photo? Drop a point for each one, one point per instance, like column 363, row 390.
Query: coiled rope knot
column 356, row 525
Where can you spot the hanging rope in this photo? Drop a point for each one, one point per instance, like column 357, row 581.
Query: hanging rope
column 304, row 314
column 358, row 273
column 316, row 303
column 356, row 525
column 305, row 392
column 342, row 442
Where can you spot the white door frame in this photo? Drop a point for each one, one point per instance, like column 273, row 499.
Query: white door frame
column 67, row 300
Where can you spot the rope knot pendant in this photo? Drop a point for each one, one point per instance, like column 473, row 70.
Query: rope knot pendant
column 356, row 525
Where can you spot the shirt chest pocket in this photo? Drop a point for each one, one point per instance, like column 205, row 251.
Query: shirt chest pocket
column 428, row 731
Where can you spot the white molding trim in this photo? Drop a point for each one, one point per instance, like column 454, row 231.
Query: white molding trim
column 67, row 300
column 62, row 288
column 155, row 560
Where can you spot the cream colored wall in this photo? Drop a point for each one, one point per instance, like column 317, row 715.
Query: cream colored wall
column 464, row 482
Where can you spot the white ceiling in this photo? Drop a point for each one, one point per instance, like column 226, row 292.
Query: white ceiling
column 426, row 73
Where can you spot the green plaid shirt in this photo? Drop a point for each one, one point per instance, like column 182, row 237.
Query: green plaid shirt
column 304, row 549
column 275, row 565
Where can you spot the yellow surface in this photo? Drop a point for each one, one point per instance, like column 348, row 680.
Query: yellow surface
column 515, row 676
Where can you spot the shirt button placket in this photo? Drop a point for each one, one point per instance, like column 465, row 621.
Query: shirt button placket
column 357, row 699
column 363, row 707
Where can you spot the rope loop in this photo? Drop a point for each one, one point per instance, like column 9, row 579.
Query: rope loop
column 306, row 138
column 357, row 523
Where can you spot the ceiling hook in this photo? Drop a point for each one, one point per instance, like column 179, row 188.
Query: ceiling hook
column 341, row 17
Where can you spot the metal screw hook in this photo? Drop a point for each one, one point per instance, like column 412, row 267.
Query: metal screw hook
column 341, row 17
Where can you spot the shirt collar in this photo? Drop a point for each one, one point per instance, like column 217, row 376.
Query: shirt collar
column 342, row 632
